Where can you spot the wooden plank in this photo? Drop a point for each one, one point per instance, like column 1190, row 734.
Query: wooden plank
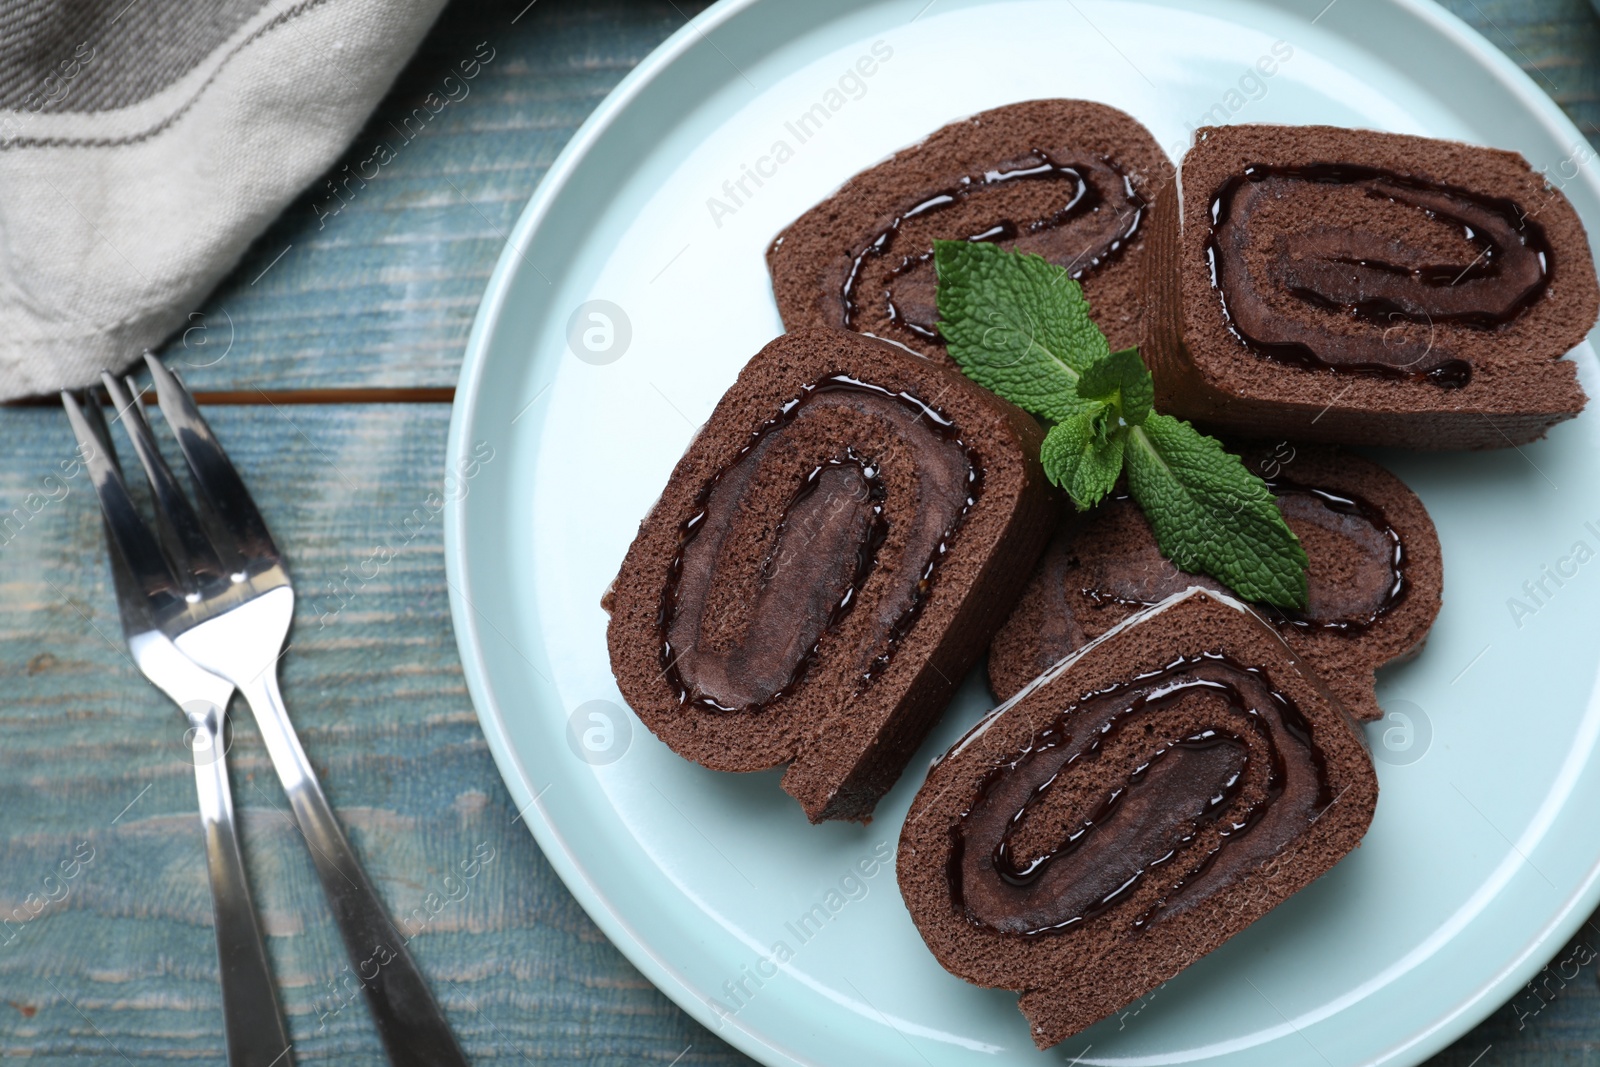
column 1557, row 42
column 123, row 964
column 377, row 284
column 383, row 293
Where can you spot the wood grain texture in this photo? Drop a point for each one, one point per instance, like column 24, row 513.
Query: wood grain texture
column 383, row 292
column 122, row 964
column 381, row 295
column 379, row 280
column 1557, row 42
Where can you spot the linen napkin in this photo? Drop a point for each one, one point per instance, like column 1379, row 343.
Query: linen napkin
column 144, row 144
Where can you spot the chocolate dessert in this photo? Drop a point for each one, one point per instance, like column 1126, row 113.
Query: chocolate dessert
column 1374, row 582
column 827, row 561
column 1131, row 810
column 1366, row 288
column 1070, row 180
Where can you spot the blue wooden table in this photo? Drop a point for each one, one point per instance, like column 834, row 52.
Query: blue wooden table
column 329, row 359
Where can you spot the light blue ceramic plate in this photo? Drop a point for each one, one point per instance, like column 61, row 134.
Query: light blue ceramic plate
column 1483, row 856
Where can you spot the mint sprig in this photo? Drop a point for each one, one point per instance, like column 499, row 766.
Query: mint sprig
column 1019, row 326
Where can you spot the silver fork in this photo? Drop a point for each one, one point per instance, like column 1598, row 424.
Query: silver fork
column 220, row 592
column 252, row 1020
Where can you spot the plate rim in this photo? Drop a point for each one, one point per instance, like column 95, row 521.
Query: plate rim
column 1438, row 1034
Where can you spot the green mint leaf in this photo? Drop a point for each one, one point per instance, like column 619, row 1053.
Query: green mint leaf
column 1121, row 375
column 1211, row 515
column 1017, row 325
column 1083, row 455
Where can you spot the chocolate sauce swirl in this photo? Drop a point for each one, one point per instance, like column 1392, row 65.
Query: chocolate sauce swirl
column 1369, row 298
column 1162, row 789
column 819, row 541
column 1357, row 575
column 1373, row 580
column 1094, row 216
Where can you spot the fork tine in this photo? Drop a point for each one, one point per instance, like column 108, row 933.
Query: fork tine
column 96, row 421
column 177, row 526
column 220, row 485
column 131, row 603
column 151, row 574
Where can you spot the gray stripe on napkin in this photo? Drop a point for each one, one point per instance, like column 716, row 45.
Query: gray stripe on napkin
column 89, row 57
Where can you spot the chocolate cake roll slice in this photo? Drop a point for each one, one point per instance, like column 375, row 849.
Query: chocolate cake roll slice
column 1366, row 288
column 1131, row 810
column 828, row 560
column 1373, row 585
column 1070, row 180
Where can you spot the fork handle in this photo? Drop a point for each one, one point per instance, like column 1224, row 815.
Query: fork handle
column 252, row 1018
column 410, row 1022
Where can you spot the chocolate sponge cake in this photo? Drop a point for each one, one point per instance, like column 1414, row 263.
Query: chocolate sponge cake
column 827, row 561
column 1070, row 180
column 1374, row 582
column 1131, row 810
column 1366, row 288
